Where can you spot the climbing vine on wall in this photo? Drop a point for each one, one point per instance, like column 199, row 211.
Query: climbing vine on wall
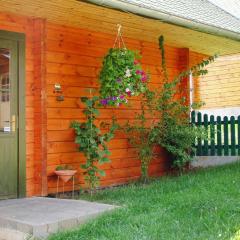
column 92, row 142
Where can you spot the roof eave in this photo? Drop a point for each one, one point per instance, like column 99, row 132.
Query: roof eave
column 164, row 17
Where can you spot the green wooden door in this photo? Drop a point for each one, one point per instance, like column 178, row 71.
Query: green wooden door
column 9, row 159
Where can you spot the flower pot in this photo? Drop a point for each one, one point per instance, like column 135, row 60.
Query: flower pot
column 65, row 175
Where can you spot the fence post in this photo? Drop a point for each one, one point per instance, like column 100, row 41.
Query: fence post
column 193, row 117
column 226, row 142
column 238, row 123
column 205, row 145
column 212, row 135
column 199, row 140
column 219, row 136
column 193, row 122
column 233, row 139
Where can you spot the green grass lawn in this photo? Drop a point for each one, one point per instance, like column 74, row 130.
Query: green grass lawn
column 202, row 205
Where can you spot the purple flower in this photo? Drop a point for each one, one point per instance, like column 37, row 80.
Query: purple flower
column 119, row 80
column 104, row 102
column 144, row 78
column 138, row 72
column 114, row 98
column 121, row 96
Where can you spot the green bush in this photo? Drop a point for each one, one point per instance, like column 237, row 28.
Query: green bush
column 173, row 131
column 171, row 127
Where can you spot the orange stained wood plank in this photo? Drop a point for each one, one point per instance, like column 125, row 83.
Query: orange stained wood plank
column 72, row 80
column 74, row 59
column 75, row 157
column 69, row 136
column 62, row 147
column 64, row 124
column 72, row 91
column 116, row 164
column 72, row 113
column 71, row 70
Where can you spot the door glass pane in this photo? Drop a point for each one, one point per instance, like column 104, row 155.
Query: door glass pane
column 5, row 121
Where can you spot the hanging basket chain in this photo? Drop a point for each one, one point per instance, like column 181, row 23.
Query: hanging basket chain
column 119, row 42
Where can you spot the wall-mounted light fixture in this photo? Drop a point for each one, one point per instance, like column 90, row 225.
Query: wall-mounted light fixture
column 57, row 88
column 58, row 91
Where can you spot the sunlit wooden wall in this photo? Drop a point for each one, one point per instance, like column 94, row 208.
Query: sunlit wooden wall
column 72, row 57
column 221, row 87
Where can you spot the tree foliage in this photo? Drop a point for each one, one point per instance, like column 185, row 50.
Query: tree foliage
column 171, row 127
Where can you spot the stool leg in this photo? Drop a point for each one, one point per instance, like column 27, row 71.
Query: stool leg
column 63, row 189
column 57, row 185
column 73, row 187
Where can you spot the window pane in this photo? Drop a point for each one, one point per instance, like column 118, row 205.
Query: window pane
column 4, row 91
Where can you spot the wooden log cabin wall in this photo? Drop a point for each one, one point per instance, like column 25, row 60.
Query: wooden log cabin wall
column 72, row 57
column 220, row 87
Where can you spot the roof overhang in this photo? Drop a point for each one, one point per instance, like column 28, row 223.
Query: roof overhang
column 97, row 18
column 168, row 18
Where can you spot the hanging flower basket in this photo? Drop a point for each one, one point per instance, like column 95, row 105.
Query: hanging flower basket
column 121, row 75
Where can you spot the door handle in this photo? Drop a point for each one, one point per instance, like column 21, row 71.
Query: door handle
column 13, row 123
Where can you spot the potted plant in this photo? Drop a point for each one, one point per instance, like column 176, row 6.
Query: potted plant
column 121, row 77
column 65, row 172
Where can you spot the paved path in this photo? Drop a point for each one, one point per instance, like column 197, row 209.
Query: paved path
column 10, row 234
column 43, row 216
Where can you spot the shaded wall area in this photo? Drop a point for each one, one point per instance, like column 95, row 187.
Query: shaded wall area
column 30, row 27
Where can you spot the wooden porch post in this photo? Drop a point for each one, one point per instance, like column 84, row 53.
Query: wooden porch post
column 184, row 65
column 40, row 111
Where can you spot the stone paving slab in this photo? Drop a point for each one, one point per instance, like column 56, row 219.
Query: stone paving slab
column 10, row 234
column 43, row 216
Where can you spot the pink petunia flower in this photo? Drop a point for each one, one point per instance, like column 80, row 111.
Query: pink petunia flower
column 138, row 72
column 144, row 78
column 136, row 62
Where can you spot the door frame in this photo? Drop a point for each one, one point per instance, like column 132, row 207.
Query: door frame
column 20, row 38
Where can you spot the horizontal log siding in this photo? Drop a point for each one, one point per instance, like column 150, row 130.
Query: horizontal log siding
column 195, row 58
column 220, row 88
column 73, row 59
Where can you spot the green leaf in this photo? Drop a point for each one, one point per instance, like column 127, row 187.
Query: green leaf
column 101, row 173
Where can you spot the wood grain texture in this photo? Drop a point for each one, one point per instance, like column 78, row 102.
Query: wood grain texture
column 72, row 57
column 74, row 60
column 80, row 14
column 220, row 88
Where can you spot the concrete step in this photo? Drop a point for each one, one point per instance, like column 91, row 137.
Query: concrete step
column 43, row 216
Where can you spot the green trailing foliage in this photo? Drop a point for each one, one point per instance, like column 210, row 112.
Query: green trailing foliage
column 173, row 131
column 141, row 137
column 92, row 142
column 64, row 167
column 171, row 128
column 121, row 77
